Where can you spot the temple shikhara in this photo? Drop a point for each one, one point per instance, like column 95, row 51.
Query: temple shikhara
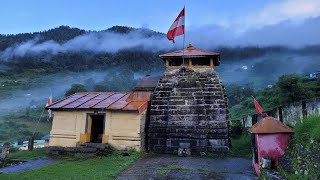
column 186, row 107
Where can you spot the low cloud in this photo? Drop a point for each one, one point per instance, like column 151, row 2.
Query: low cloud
column 280, row 11
column 285, row 33
column 93, row 42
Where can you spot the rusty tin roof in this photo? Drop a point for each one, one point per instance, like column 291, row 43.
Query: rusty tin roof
column 147, row 83
column 190, row 51
column 132, row 101
column 269, row 125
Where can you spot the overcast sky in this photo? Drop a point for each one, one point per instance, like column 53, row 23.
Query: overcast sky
column 18, row 16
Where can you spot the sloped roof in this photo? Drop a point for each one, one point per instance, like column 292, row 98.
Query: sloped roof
column 269, row 125
column 190, row 51
column 132, row 101
column 147, row 83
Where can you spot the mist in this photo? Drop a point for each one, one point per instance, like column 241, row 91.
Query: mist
column 286, row 33
column 39, row 90
column 265, row 70
column 96, row 42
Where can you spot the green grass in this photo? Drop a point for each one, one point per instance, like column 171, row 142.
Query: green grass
column 28, row 155
column 241, row 147
column 308, row 129
column 79, row 168
column 173, row 167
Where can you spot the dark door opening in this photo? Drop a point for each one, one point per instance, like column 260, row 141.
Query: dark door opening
column 97, row 128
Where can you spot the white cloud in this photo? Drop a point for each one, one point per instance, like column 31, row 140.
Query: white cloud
column 274, row 13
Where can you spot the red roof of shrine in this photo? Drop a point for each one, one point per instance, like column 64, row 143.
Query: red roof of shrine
column 269, row 125
column 132, row 101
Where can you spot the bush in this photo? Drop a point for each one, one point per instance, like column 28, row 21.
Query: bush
column 236, row 129
column 308, row 129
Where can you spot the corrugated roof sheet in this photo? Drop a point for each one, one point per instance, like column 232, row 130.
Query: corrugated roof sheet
column 189, row 52
column 147, row 83
column 131, row 101
column 269, row 125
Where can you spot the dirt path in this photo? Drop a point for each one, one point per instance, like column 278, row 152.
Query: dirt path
column 32, row 164
column 173, row 167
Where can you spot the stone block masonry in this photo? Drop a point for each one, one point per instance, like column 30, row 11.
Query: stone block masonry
column 189, row 106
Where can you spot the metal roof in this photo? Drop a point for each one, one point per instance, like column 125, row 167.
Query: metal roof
column 269, row 125
column 132, row 101
column 190, row 51
column 147, row 83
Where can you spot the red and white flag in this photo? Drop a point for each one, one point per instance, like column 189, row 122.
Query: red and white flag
column 177, row 28
column 49, row 102
column 259, row 108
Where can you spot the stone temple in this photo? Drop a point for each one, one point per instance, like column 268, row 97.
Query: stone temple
column 189, row 105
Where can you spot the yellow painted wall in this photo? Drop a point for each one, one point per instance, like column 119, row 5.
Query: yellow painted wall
column 123, row 129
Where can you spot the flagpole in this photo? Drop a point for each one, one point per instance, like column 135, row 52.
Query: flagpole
column 184, row 35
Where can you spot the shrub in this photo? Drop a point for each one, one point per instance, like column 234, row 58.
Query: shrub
column 308, row 129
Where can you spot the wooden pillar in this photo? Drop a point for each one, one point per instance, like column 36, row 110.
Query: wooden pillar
column 190, row 63
column 211, row 62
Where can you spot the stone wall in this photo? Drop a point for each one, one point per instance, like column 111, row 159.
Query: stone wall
column 290, row 113
column 188, row 106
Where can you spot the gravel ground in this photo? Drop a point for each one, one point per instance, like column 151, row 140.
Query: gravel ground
column 173, row 167
column 32, row 164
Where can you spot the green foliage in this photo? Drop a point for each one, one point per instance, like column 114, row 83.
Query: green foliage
column 121, row 82
column 241, row 147
column 303, row 153
column 28, row 155
column 20, row 126
column 236, row 93
column 75, row 168
column 236, row 129
column 289, row 88
column 307, row 129
column 292, row 88
column 75, row 88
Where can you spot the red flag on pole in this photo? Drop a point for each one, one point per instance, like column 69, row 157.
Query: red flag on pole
column 177, row 28
column 259, row 108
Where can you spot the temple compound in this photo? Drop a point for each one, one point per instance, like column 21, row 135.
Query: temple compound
column 185, row 107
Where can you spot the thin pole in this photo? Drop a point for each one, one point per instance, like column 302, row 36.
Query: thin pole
column 184, row 35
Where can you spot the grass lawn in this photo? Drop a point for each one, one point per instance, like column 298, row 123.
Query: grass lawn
column 28, row 155
column 79, row 168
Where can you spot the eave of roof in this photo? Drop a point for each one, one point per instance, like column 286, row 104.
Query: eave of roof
column 189, row 52
column 132, row 101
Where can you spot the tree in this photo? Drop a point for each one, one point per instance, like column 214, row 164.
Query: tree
column 76, row 88
column 292, row 88
column 236, row 93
